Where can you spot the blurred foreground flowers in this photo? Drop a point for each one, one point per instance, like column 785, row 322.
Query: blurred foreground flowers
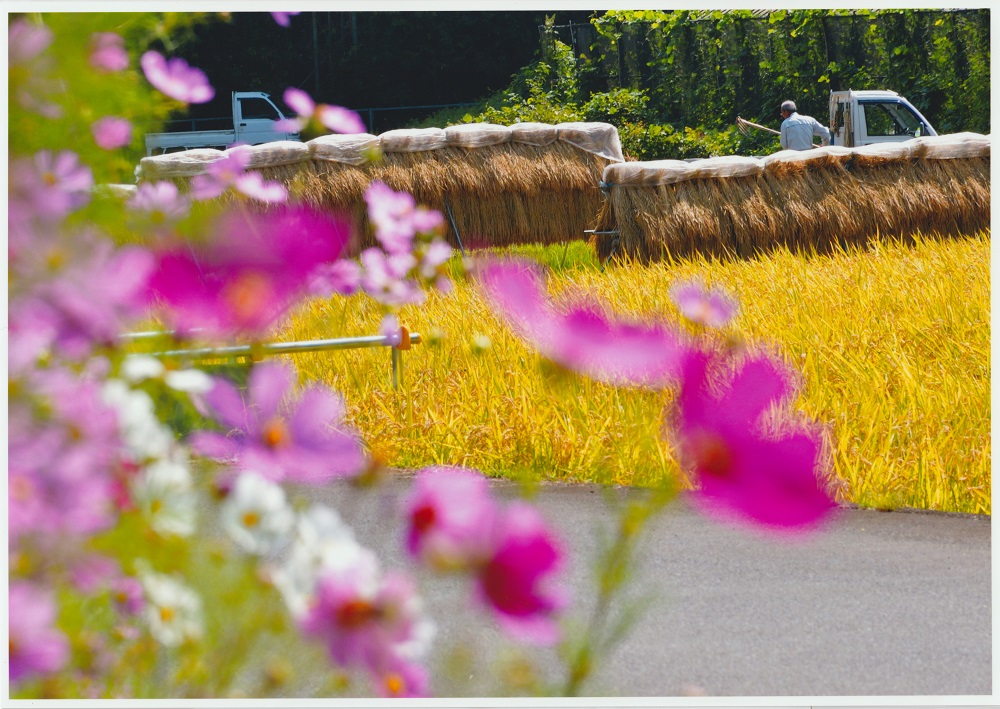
column 136, row 481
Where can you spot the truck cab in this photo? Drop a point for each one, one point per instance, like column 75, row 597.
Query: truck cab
column 864, row 117
column 254, row 115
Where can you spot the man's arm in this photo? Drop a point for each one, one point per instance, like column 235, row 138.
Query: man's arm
column 822, row 131
column 783, row 138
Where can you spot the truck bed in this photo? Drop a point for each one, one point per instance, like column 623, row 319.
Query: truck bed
column 190, row 139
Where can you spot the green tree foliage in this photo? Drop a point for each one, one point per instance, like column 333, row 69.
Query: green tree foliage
column 705, row 68
column 674, row 82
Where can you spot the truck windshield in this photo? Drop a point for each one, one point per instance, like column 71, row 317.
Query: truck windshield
column 889, row 118
column 258, row 108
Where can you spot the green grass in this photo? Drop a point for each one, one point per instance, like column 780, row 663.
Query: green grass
column 892, row 341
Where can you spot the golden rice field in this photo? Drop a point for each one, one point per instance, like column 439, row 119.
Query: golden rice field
column 893, row 341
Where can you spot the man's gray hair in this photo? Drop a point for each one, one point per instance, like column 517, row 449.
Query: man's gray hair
column 788, row 106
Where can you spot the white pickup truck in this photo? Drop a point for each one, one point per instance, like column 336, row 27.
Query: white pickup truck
column 864, row 117
column 254, row 115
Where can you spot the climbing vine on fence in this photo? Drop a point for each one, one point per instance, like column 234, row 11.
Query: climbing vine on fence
column 702, row 69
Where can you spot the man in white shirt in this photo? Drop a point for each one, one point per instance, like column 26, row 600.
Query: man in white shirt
column 797, row 131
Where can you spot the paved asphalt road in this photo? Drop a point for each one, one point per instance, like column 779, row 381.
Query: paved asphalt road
column 880, row 604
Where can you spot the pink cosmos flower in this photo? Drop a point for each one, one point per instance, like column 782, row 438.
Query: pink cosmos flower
column 516, row 581
column 49, row 185
column 335, row 118
column 450, row 518
column 229, row 171
column 90, row 300
column 283, row 18
column 29, row 335
column 26, row 40
column 386, row 278
column 176, row 79
column 110, row 132
column 389, row 328
column 281, row 439
column 299, row 101
column 342, row 277
column 248, row 273
column 162, row 201
column 709, row 307
column 93, row 572
column 435, row 255
column 60, row 469
column 36, row 646
column 128, row 595
column 768, row 478
column 108, row 52
column 340, row 119
column 397, row 218
column 401, row 678
column 373, row 623
column 582, row 339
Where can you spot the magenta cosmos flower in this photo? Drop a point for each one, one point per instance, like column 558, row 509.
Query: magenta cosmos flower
column 277, row 437
column 516, row 581
column 111, row 132
column 251, row 269
column 699, row 304
column 767, row 476
column 454, row 524
column 582, row 339
column 176, row 79
column 450, row 518
column 37, row 647
column 107, row 52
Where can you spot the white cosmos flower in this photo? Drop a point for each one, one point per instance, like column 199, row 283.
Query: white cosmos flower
column 323, row 544
column 142, row 431
column 136, row 368
column 173, row 611
column 165, row 494
column 257, row 515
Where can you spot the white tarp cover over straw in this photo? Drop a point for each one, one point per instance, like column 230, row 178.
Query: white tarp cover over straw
column 477, row 135
column 598, row 138
column 348, row 148
column 668, row 172
column 355, row 149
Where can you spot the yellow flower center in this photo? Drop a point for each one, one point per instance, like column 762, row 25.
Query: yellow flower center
column 251, row 519
column 394, row 683
column 712, row 455
column 50, row 179
column 275, row 433
column 167, row 614
column 356, row 613
column 247, row 295
column 54, row 259
column 21, row 489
